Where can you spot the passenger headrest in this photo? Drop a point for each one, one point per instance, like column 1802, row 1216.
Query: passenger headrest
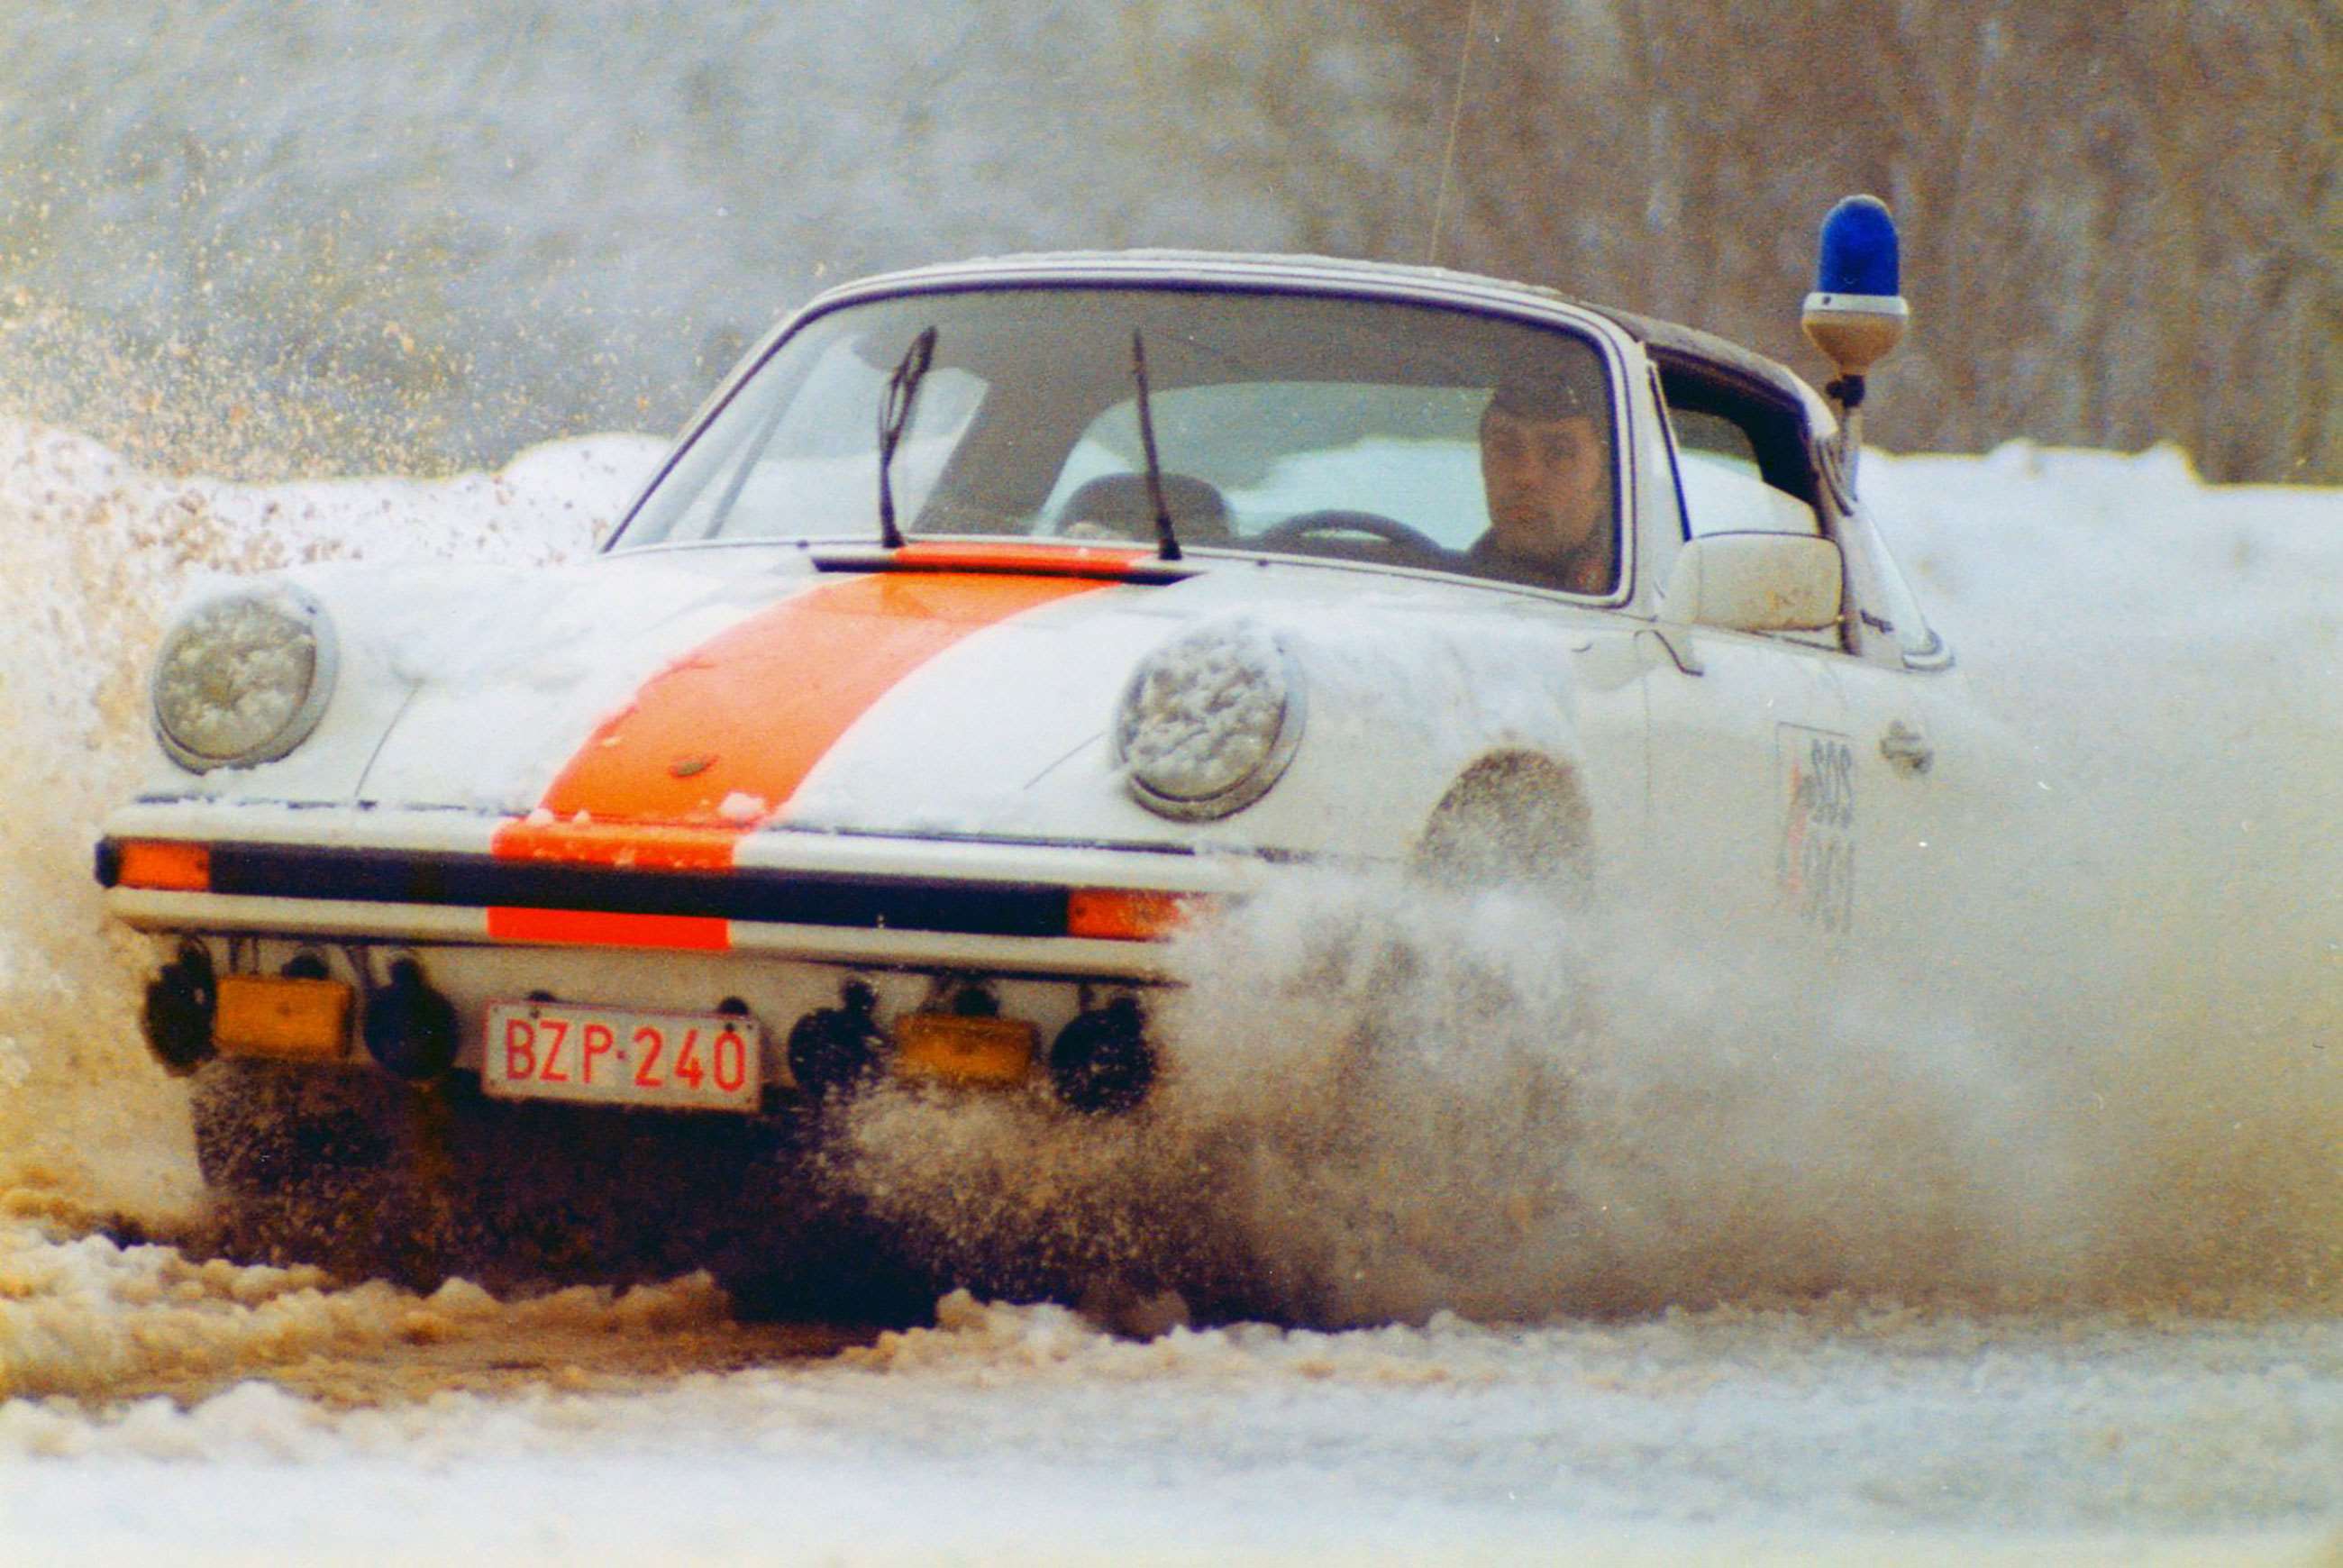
column 1119, row 503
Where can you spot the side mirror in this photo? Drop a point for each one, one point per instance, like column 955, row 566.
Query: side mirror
column 1756, row 582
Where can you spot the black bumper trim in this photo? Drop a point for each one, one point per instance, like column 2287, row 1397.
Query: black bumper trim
column 748, row 893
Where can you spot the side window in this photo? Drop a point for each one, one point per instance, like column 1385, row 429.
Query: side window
column 1741, row 458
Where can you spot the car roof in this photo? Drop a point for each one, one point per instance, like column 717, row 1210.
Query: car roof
column 1669, row 338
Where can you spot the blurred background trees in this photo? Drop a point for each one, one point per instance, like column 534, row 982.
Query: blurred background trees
column 2123, row 224
column 273, row 239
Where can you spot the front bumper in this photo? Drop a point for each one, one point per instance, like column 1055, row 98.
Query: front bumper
column 781, row 928
column 989, row 905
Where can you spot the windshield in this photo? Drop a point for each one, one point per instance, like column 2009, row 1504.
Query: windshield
column 1358, row 429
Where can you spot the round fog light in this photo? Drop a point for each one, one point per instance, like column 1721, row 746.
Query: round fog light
column 837, row 1049
column 1101, row 1062
column 409, row 1028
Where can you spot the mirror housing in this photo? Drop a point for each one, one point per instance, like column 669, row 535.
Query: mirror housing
column 1756, row 582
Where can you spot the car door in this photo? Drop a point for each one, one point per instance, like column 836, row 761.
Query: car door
column 1766, row 753
column 1757, row 793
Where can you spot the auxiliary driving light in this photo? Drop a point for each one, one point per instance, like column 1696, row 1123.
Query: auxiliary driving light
column 177, row 1016
column 836, row 1049
column 409, row 1028
column 975, row 1050
column 1101, row 1062
column 296, row 1017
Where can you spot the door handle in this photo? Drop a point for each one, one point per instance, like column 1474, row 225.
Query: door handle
column 1905, row 748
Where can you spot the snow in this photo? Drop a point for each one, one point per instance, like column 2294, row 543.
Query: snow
column 739, row 805
column 2033, row 1259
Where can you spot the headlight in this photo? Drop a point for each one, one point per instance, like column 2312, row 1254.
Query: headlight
column 243, row 678
column 1209, row 721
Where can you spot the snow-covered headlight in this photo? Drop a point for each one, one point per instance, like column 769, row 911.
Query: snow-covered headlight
column 1209, row 721
column 243, row 678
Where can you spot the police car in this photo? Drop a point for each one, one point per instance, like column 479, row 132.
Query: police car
column 991, row 623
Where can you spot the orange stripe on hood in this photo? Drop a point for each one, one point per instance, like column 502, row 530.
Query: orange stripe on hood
column 721, row 738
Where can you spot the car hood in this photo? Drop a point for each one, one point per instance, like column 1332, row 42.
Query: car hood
column 600, row 706
column 856, row 700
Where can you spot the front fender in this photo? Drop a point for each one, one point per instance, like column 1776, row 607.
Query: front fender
column 1398, row 713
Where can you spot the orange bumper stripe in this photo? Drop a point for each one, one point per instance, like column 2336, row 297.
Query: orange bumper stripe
column 650, row 846
column 593, row 928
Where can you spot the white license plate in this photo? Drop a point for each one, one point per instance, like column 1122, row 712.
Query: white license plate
column 555, row 1051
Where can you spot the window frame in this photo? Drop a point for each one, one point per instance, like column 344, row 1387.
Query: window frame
column 1616, row 344
column 1781, row 438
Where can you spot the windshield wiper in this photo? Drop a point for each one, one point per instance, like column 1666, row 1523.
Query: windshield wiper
column 1167, row 545
column 894, row 414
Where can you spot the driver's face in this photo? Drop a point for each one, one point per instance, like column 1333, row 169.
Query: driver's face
column 1548, row 483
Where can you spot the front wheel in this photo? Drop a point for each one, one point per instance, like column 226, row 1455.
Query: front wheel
column 1514, row 822
column 315, row 1166
column 368, row 1175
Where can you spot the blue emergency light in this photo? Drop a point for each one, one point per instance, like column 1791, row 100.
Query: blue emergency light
column 1858, row 249
column 1857, row 313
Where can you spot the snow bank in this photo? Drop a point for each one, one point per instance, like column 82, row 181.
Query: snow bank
column 86, row 1316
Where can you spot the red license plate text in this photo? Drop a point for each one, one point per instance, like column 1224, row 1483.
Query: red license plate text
column 555, row 1051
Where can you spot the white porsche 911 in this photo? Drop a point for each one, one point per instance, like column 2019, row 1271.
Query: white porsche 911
column 988, row 623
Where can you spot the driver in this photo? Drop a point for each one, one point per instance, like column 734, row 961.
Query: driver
column 1545, row 465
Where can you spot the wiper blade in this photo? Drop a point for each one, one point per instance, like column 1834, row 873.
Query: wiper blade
column 894, row 414
column 1167, row 545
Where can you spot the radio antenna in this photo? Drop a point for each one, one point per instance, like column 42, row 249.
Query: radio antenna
column 1455, row 118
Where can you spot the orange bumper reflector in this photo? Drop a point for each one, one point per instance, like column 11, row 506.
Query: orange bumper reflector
column 1129, row 914
column 946, row 1048
column 267, row 1015
column 598, row 928
column 180, row 868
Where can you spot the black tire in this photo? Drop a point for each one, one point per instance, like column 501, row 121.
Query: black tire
column 261, row 1128
column 838, row 1268
column 309, row 1165
column 370, row 1176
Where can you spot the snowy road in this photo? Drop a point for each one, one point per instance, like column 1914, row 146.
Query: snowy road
column 373, row 1418
column 1007, row 1431
column 2057, row 1275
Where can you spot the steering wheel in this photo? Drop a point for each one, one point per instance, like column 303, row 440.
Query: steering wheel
column 1303, row 526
